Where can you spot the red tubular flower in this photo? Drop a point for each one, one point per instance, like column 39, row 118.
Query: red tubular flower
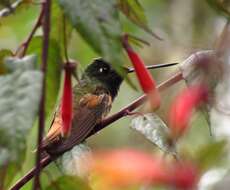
column 66, row 104
column 145, row 78
column 181, row 109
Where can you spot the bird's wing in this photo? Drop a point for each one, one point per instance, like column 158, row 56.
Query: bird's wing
column 89, row 111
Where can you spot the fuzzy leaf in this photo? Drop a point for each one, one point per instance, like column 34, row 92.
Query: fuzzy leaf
column 221, row 109
column 98, row 23
column 155, row 130
column 203, row 67
column 67, row 182
column 19, row 99
column 75, row 161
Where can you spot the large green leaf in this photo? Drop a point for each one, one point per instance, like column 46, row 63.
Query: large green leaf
column 133, row 10
column 98, row 23
column 68, row 182
column 19, row 99
column 53, row 69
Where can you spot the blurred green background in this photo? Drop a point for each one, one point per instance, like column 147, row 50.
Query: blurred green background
column 186, row 26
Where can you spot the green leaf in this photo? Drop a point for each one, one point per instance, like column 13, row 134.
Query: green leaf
column 19, row 99
column 222, row 7
column 98, row 23
column 3, row 54
column 53, row 78
column 68, row 182
column 210, row 155
column 133, row 10
column 155, row 130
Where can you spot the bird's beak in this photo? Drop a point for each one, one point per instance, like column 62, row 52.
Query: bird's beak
column 130, row 69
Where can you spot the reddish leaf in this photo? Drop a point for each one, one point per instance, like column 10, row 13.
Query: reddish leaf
column 181, row 109
column 66, row 104
column 144, row 77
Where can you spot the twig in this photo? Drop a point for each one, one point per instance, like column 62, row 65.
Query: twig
column 10, row 8
column 135, row 104
column 45, row 49
column 64, row 39
column 21, row 52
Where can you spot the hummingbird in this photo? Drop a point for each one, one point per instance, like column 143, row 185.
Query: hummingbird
column 92, row 100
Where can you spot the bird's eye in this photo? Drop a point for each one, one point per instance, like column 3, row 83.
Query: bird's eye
column 103, row 70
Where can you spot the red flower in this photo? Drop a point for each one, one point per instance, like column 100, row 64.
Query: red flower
column 145, row 78
column 66, row 104
column 182, row 107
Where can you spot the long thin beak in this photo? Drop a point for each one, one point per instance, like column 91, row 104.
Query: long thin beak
column 130, row 70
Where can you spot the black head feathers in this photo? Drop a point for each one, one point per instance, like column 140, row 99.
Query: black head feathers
column 103, row 72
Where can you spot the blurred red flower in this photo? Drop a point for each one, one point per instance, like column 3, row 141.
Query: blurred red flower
column 131, row 167
column 182, row 107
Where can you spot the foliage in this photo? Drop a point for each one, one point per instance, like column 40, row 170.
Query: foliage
column 20, row 95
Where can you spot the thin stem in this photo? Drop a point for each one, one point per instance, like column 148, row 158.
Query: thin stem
column 21, row 51
column 132, row 106
column 45, row 48
column 64, row 39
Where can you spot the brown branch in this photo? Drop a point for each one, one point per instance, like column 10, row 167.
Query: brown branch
column 132, row 106
column 45, row 49
column 45, row 162
column 21, row 51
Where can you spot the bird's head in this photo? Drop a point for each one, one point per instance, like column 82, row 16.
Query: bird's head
column 102, row 71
